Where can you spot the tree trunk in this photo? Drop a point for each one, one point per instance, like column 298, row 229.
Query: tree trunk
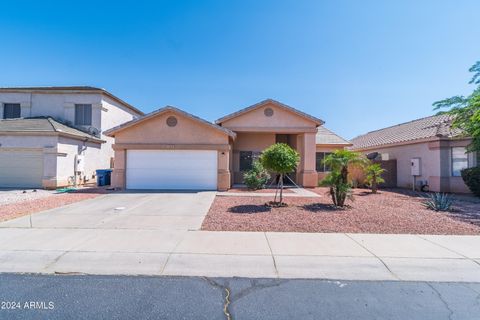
column 281, row 188
column 374, row 184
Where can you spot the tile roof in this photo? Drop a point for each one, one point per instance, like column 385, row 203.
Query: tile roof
column 43, row 124
column 325, row 136
column 66, row 89
column 438, row 126
column 111, row 132
column 268, row 101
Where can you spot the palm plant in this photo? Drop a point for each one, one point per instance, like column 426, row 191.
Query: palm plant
column 340, row 188
column 373, row 177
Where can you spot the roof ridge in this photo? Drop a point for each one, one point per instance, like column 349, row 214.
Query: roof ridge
column 49, row 118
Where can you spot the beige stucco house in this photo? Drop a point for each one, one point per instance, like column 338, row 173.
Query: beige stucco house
column 53, row 136
column 172, row 149
column 427, row 152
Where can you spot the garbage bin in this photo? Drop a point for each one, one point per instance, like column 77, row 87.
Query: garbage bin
column 104, row 177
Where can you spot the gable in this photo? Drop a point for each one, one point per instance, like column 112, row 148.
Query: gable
column 259, row 117
column 185, row 131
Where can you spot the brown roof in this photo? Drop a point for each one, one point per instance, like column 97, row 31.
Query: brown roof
column 270, row 101
column 325, row 136
column 433, row 127
column 111, row 132
column 72, row 89
column 43, row 125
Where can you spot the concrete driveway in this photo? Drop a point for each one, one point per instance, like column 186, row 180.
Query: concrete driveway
column 132, row 210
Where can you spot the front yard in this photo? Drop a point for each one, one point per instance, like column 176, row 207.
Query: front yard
column 16, row 203
column 392, row 211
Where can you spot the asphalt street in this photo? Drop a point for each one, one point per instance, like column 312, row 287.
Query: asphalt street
column 27, row 296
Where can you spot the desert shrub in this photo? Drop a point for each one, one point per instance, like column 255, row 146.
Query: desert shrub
column 257, row 177
column 471, row 177
column 340, row 188
column 438, row 202
column 373, row 177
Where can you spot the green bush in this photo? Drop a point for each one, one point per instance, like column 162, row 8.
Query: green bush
column 471, row 176
column 281, row 159
column 257, row 177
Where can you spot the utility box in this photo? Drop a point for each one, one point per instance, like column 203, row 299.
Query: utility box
column 416, row 166
column 79, row 163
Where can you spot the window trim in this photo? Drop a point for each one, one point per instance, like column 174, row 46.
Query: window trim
column 452, row 161
column 325, row 168
column 12, row 104
column 84, row 107
column 254, row 155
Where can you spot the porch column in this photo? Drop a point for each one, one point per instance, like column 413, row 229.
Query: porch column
column 306, row 174
column 119, row 166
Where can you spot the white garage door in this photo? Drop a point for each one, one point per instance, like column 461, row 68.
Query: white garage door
column 172, row 169
column 21, row 169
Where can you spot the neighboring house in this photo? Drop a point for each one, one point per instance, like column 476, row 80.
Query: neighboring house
column 438, row 151
column 49, row 135
column 172, row 149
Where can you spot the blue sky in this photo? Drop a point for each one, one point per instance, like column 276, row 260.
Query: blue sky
column 358, row 65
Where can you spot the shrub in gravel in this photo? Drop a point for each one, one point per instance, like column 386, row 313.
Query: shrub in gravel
column 471, row 176
column 438, row 202
column 340, row 188
column 257, row 177
column 281, row 159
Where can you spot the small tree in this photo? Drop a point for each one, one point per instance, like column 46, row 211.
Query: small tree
column 373, row 177
column 337, row 180
column 257, row 177
column 465, row 111
column 281, row 159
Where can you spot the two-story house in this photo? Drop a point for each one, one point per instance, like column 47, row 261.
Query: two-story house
column 53, row 136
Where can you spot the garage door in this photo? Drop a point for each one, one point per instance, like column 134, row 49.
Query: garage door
column 21, row 169
column 172, row 169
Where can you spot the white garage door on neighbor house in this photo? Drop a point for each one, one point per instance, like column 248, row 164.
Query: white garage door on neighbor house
column 21, row 169
column 171, row 169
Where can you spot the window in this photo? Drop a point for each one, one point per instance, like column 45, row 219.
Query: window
column 247, row 158
column 320, row 166
column 83, row 114
column 11, row 110
column 459, row 160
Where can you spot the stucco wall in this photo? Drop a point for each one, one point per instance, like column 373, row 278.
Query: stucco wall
column 113, row 114
column 154, row 133
column 249, row 141
column 58, row 105
column 187, row 131
column 281, row 118
column 106, row 113
column 68, row 149
column 435, row 164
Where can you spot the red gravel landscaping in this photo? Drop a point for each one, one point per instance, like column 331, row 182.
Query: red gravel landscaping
column 18, row 209
column 269, row 190
column 393, row 211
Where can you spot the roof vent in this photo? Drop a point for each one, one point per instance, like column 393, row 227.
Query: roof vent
column 268, row 112
column 172, row 121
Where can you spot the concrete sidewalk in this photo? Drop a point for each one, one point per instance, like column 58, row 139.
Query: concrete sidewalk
column 241, row 254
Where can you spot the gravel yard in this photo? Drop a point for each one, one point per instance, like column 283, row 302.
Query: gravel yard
column 14, row 204
column 394, row 211
column 268, row 190
column 8, row 196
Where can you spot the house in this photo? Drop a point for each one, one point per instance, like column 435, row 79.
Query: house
column 172, row 149
column 427, row 151
column 53, row 136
